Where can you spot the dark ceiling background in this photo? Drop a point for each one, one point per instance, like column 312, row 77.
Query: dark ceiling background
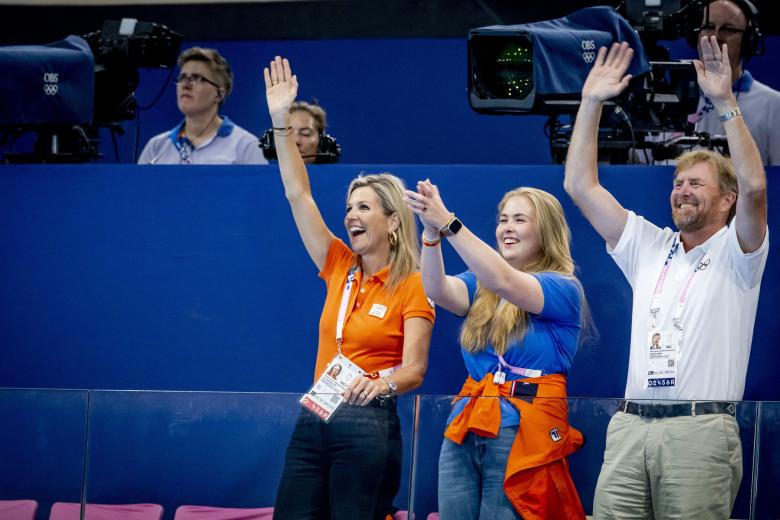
column 305, row 19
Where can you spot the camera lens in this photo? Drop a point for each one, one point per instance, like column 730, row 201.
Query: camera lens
column 505, row 67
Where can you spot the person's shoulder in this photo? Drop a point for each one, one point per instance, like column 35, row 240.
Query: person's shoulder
column 764, row 90
column 238, row 132
column 162, row 137
column 563, row 282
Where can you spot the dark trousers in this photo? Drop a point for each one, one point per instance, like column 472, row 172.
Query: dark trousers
column 347, row 469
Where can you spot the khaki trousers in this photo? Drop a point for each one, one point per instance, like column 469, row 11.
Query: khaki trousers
column 676, row 467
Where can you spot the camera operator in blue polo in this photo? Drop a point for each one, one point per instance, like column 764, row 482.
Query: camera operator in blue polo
column 204, row 136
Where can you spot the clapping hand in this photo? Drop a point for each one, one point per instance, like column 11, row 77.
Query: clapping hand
column 608, row 76
column 426, row 203
column 281, row 87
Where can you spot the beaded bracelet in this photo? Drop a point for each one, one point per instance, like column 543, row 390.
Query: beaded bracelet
column 428, row 242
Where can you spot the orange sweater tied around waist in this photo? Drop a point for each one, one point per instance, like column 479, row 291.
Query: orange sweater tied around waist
column 537, row 480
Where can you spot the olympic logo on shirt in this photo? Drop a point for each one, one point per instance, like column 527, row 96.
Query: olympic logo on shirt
column 50, row 89
column 589, row 56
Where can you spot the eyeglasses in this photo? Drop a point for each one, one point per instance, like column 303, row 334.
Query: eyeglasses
column 724, row 31
column 193, row 79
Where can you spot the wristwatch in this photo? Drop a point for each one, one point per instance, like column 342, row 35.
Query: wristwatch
column 451, row 227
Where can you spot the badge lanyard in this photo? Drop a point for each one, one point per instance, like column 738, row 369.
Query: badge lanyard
column 185, row 149
column 499, row 377
column 655, row 303
column 343, row 308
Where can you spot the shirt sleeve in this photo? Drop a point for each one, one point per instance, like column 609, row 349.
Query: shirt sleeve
column 562, row 297
column 250, row 151
column 147, row 153
column 338, row 253
column 749, row 267
column 470, row 279
column 416, row 304
column 638, row 237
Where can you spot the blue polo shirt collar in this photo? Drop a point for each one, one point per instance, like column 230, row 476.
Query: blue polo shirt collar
column 744, row 83
column 225, row 129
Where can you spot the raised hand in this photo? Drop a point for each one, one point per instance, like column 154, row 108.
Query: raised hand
column 608, row 76
column 714, row 70
column 281, row 87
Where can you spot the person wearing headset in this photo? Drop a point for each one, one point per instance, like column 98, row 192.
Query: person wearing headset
column 308, row 122
column 735, row 23
column 203, row 137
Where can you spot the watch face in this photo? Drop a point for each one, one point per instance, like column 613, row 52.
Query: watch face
column 455, row 225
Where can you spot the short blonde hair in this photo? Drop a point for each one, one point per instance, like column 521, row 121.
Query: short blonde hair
column 724, row 168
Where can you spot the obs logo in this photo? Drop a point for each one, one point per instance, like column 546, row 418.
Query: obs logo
column 51, row 83
column 588, row 47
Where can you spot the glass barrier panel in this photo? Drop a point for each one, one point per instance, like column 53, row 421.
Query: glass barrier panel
column 211, row 449
column 767, row 458
column 592, row 418
column 42, row 439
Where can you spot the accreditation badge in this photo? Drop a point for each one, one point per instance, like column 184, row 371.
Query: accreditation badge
column 324, row 397
column 663, row 354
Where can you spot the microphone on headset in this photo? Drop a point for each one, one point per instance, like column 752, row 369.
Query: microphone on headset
column 328, row 149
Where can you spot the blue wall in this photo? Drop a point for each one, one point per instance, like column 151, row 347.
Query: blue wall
column 194, row 278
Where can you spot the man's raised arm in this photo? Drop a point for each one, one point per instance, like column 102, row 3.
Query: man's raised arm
column 714, row 76
column 606, row 80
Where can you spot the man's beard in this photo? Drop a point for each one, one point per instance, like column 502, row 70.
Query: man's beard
column 688, row 223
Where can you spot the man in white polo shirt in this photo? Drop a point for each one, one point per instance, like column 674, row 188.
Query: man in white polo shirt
column 680, row 455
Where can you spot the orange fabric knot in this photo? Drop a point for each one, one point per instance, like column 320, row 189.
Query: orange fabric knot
column 482, row 414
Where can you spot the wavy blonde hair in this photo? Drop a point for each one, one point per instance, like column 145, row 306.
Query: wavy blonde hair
column 404, row 257
column 488, row 321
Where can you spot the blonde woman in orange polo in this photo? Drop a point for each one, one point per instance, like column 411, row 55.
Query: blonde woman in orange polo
column 375, row 317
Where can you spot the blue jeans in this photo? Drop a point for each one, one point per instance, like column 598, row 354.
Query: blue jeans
column 347, row 469
column 471, row 477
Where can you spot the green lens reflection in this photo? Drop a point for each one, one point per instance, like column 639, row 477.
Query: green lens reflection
column 507, row 68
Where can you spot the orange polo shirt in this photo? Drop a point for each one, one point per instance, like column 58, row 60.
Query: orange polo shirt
column 370, row 341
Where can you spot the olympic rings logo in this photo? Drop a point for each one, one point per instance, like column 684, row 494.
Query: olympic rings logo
column 51, row 83
column 589, row 57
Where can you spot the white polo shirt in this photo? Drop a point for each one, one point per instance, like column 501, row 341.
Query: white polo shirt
column 718, row 316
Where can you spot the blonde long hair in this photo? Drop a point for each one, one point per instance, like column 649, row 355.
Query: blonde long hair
column 405, row 255
column 490, row 323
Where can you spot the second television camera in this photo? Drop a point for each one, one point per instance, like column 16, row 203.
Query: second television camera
column 539, row 68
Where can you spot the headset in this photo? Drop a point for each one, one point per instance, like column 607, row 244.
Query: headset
column 328, row 149
column 753, row 41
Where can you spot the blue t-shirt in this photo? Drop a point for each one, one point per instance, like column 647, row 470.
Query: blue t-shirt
column 549, row 344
